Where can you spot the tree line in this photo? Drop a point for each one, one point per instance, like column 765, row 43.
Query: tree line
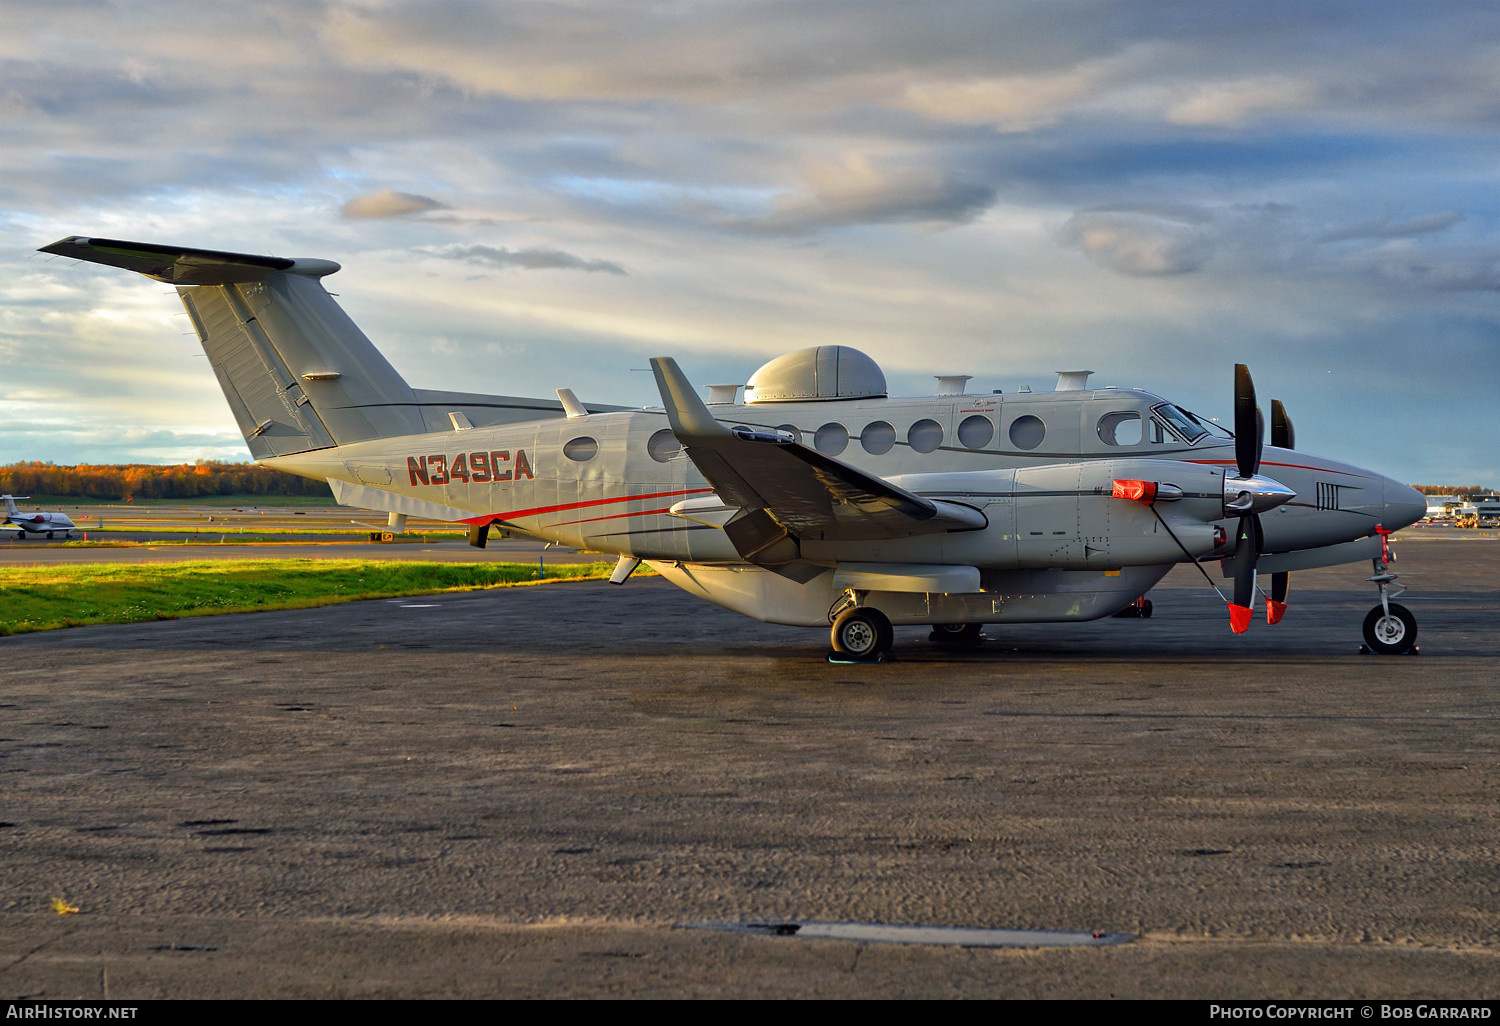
column 153, row 481
column 1453, row 489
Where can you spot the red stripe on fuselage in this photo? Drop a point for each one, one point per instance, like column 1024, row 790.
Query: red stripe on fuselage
column 614, row 516
column 537, row 511
column 1294, row 466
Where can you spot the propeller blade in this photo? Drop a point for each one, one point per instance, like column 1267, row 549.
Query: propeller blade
column 1246, row 547
column 1282, row 434
column 1276, row 604
column 1249, row 429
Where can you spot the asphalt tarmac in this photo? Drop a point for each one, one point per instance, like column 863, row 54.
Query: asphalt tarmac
column 525, row 792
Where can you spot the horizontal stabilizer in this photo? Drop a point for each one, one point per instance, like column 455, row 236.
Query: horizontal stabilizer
column 179, row 265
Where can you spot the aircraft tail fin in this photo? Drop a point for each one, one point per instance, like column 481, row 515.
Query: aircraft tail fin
column 298, row 373
column 10, row 504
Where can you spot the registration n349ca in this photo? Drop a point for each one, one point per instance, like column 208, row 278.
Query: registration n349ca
column 817, row 499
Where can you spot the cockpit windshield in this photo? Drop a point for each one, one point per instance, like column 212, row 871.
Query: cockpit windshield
column 1183, row 424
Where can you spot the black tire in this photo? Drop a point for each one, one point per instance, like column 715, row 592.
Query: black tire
column 1393, row 634
column 956, row 635
column 1145, row 609
column 862, row 633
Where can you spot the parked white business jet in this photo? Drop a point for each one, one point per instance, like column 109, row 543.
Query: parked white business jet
column 818, row 499
column 33, row 523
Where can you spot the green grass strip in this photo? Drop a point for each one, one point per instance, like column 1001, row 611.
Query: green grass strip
column 40, row 598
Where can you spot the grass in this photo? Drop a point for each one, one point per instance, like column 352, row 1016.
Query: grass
column 40, row 598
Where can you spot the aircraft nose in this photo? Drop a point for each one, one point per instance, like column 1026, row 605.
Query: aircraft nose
column 1404, row 506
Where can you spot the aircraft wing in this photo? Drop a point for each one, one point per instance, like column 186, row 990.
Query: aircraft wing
column 807, row 493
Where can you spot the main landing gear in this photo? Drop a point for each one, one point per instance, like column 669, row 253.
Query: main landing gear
column 861, row 635
column 1390, row 628
column 957, row 635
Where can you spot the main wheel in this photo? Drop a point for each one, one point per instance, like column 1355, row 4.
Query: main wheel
column 956, row 635
column 1390, row 633
column 862, row 633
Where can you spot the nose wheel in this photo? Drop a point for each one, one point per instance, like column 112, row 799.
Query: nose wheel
column 1390, row 628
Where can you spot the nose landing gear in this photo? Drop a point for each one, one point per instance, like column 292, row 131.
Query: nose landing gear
column 1390, row 628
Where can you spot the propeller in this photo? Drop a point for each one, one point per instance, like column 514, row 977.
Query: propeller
column 1283, row 436
column 1249, row 494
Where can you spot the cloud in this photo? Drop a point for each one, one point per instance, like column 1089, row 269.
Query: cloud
column 861, row 189
column 528, row 259
column 1011, row 102
column 1235, row 102
column 1140, row 242
column 389, row 203
column 1387, row 228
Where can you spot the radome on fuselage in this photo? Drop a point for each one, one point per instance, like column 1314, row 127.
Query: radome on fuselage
column 815, row 498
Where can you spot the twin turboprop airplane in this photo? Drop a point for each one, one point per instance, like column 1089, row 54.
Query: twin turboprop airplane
column 33, row 523
column 817, row 500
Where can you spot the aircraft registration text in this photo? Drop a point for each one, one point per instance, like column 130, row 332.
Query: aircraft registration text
column 470, row 467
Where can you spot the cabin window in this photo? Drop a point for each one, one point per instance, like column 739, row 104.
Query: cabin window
column 791, row 429
column 1027, row 432
column 663, row 446
column 1120, row 428
column 925, row 435
column 877, row 438
column 831, row 439
column 581, row 450
column 976, row 432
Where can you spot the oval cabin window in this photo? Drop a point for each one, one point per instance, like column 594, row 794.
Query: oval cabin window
column 581, row 450
column 877, row 438
column 663, row 445
column 831, row 439
column 976, row 432
column 1027, row 432
column 925, row 435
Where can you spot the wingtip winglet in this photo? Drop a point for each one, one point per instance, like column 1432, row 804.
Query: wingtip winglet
column 686, row 412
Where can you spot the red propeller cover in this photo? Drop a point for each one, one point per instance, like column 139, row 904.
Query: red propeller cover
column 1239, row 618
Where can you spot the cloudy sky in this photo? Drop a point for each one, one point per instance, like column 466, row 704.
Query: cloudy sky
column 543, row 193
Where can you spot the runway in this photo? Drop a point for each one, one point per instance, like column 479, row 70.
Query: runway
column 176, row 533
column 523, row 792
